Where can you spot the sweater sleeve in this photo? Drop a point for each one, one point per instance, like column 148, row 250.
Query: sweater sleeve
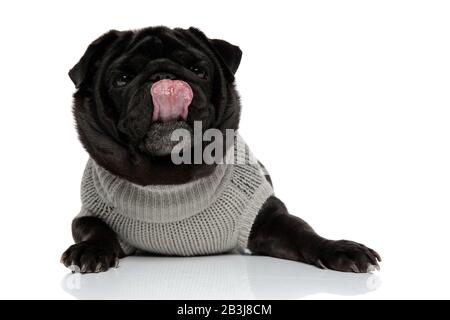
column 248, row 217
column 94, row 206
column 84, row 212
column 126, row 248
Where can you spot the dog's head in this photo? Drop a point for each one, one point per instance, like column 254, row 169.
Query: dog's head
column 136, row 87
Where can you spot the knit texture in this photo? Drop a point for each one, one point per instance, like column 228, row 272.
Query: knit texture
column 210, row 215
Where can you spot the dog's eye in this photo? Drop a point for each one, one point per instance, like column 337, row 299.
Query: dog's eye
column 200, row 72
column 121, row 80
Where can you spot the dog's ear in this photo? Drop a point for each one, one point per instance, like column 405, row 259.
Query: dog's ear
column 87, row 64
column 228, row 55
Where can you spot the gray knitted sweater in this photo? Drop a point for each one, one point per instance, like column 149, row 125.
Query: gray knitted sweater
column 210, row 215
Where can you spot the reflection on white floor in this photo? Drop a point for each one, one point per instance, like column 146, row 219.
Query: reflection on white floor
column 215, row 277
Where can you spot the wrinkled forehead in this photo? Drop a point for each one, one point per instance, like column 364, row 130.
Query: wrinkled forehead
column 156, row 39
column 161, row 42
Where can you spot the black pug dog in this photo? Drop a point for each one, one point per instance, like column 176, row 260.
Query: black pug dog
column 125, row 130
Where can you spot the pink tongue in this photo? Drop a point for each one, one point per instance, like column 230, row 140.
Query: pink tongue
column 171, row 99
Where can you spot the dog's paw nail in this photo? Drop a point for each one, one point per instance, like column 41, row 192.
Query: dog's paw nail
column 372, row 268
column 116, row 263
column 74, row 268
column 98, row 268
column 354, row 268
column 319, row 262
column 83, row 268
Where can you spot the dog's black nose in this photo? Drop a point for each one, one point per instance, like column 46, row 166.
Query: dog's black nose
column 161, row 76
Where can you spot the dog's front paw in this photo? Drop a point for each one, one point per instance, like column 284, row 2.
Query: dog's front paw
column 347, row 256
column 90, row 256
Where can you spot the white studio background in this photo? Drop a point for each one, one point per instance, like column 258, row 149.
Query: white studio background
column 347, row 104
